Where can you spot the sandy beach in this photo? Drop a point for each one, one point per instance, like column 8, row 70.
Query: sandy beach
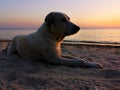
column 19, row 74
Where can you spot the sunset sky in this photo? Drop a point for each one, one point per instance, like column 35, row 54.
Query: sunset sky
column 85, row 13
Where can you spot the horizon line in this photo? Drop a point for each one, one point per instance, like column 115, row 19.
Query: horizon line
column 9, row 28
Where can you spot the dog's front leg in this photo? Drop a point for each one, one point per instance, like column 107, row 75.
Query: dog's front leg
column 66, row 56
column 73, row 61
column 70, row 61
column 71, row 57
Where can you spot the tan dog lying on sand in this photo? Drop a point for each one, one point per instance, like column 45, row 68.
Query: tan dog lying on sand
column 45, row 43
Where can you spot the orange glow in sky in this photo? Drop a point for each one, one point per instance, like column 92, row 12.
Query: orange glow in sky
column 85, row 13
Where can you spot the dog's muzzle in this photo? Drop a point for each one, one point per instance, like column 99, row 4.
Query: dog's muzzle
column 75, row 29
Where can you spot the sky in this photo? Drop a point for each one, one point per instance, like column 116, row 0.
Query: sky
column 85, row 13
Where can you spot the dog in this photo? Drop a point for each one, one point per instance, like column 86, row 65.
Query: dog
column 45, row 43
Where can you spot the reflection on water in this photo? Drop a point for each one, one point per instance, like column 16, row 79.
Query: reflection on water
column 95, row 35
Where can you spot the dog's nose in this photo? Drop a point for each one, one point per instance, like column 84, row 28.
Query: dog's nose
column 77, row 28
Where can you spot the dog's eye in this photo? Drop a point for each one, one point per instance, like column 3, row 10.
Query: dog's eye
column 64, row 20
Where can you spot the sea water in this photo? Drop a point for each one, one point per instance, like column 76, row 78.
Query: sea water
column 107, row 36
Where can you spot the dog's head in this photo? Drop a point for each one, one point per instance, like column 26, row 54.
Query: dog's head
column 59, row 25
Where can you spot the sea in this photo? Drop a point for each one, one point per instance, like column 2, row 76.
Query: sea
column 84, row 36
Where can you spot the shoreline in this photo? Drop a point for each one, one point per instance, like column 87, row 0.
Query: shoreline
column 93, row 43
column 90, row 44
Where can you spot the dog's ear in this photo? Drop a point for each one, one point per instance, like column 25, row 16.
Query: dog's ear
column 50, row 17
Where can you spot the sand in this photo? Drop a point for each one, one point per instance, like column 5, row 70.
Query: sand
column 19, row 74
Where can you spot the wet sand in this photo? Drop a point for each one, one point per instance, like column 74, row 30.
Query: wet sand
column 19, row 74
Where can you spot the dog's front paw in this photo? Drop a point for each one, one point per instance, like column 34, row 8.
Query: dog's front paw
column 94, row 65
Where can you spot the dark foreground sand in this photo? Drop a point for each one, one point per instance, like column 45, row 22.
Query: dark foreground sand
column 19, row 74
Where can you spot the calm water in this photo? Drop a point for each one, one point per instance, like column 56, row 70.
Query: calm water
column 87, row 35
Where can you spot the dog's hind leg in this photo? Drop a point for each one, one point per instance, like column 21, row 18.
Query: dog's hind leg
column 11, row 48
